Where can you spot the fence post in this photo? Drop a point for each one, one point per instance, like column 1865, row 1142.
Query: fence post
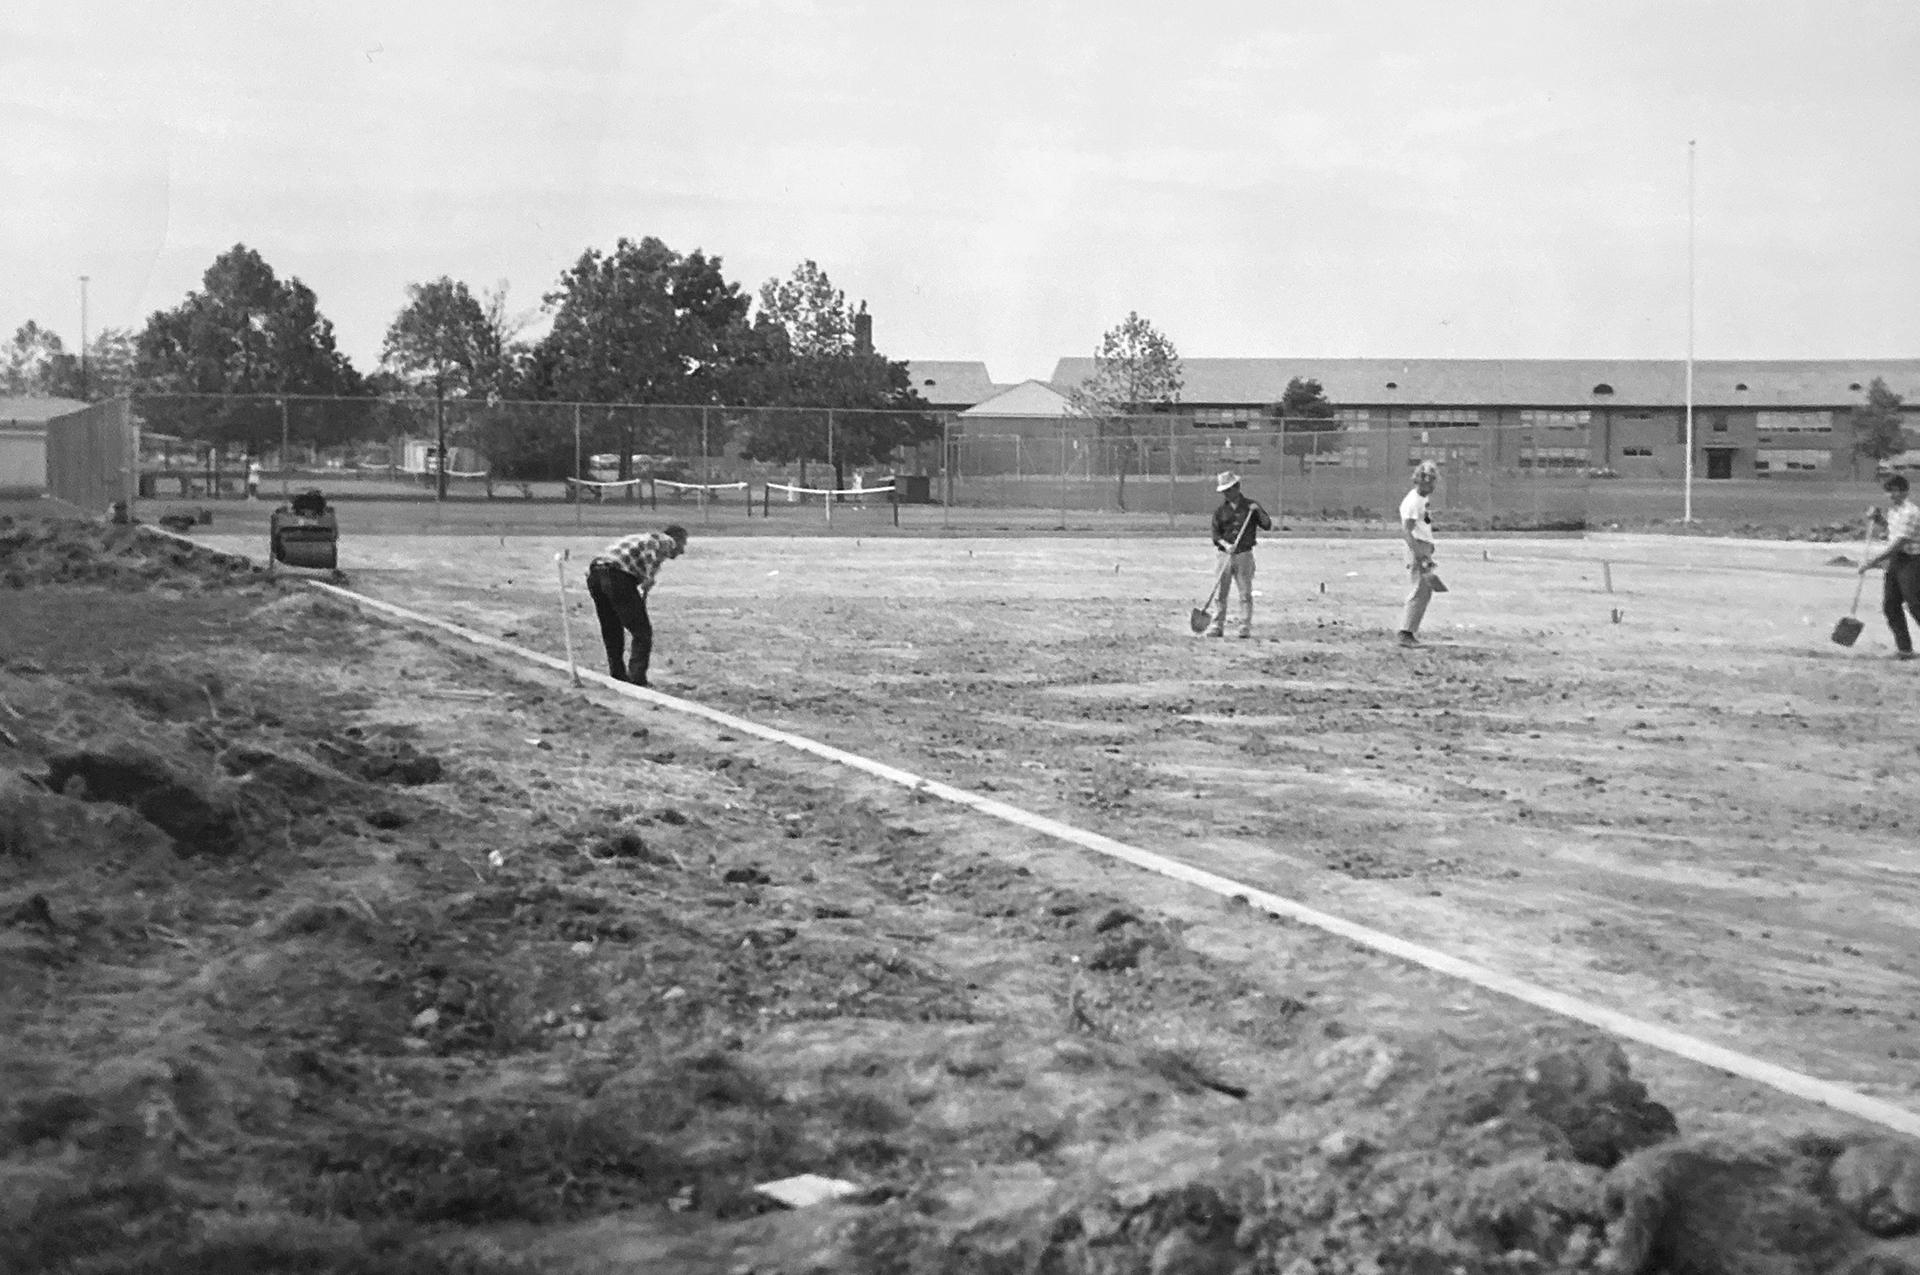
column 830, row 470
column 579, row 473
column 706, row 473
column 1171, row 422
column 946, row 470
column 283, row 449
column 1063, row 475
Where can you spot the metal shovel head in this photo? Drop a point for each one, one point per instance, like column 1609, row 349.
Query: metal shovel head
column 1198, row 620
column 1848, row 629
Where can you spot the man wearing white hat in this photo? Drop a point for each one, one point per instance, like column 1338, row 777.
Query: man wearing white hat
column 1234, row 524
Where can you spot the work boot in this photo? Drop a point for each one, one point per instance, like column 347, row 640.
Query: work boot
column 1216, row 633
column 1407, row 639
column 1244, row 633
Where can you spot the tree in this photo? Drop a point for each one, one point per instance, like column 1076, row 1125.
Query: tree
column 36, row 364
column 436, row 343
column 641, row 324
column 1304, row 411
column 802, row 355
column 1135, row 368
column 246, row 332
column 876, row 412
column 1877, row 427
column 811, row 310
column 112, row 363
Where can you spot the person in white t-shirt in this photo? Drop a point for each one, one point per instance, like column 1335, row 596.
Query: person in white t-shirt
column 1416, row 524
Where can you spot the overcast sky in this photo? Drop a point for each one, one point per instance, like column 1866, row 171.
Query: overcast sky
column 1002, row 181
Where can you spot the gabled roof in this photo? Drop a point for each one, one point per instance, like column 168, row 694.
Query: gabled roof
column 35, row 410
column 1029, row 398
column 951, row 384
column 1535, row 382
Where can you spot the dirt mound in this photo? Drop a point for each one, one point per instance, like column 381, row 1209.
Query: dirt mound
column 1488, row 1168
column 199, row 818
column 36, row 552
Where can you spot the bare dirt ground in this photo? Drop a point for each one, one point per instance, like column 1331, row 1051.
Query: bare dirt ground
column 325, row 947
column 1701, row 813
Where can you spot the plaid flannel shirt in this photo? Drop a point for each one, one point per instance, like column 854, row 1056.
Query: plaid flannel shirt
column 1903, row 528
column 640, row 556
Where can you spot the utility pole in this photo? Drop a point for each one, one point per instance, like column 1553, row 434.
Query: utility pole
column 1687, row 515
column 83, row 336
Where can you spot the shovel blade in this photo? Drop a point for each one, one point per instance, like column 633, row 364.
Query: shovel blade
column 1197, row 620
column 1847, row 630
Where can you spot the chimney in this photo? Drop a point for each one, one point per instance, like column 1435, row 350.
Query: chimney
column 863, row 331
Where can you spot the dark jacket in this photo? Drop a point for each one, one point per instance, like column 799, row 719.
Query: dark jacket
column 1227, row 520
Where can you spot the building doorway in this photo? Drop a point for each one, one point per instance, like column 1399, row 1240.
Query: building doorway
column 1720, row 462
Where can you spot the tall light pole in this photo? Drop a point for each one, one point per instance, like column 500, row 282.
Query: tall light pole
column 1688, row 515
column 83, row 336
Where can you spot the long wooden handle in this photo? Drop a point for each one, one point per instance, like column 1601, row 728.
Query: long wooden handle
column 1866, row 551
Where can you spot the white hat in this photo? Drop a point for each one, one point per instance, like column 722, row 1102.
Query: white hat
column 1426, row 469
column 1226, row 480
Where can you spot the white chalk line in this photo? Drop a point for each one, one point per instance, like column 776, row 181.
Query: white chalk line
column 1784, row 1079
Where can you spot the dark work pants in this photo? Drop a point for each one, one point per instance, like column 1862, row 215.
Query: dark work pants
column 1901, row 585
column 622, row 609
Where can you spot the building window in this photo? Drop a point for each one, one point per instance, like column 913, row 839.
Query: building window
column 1636, row 451
column 1802, row 461
column 1353, row 418
column 1341, row 458
column 1444, row 417
column 1226, row 417
column 1542, row 419
column 1719, row 422
column 1793, row 422
column 1553, row 457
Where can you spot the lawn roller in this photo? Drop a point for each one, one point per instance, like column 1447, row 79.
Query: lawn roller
column 305, row 533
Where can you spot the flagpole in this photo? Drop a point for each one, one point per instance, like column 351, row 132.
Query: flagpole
column 1690, row 306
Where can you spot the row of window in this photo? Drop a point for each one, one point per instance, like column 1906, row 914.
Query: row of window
column 1555, row 420
column 1807, row 459
column 1360, row 418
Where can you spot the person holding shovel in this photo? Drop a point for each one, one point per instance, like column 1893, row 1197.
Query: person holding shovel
column 1900, row 591
column 1234, row 533
column 618, row 581
column 1416, row 524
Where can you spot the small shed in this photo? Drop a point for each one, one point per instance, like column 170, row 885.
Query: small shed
column 23, row 442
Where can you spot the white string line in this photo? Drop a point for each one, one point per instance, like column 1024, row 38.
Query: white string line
column 663, row 482
column 1797, row 1084
column 831, row 491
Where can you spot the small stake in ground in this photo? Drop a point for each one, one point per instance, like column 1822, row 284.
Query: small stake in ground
column 566, row 625
column 1606, row 570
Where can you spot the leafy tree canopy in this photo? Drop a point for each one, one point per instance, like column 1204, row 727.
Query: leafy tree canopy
column 1877, row 427
column 245, row 332
column 1135, row 367
column 810, row 310
column 435, row 341
column 1305, row 399
column 36, row 363
column 641, row 324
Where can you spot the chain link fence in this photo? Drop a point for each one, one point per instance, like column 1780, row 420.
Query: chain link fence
column 730, row 462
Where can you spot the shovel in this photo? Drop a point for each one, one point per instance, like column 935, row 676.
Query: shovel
column 1201, row 616
column 1846, row 630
